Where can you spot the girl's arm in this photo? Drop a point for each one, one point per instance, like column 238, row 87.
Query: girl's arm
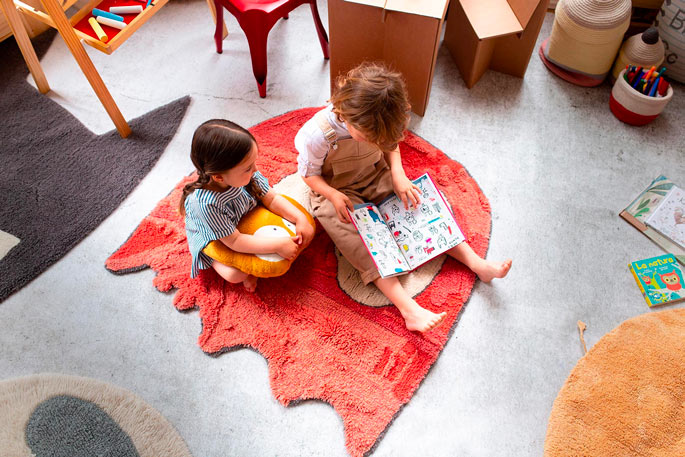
column 406, row 190
column 281, row 206
column 340, row 201
column 286, row 247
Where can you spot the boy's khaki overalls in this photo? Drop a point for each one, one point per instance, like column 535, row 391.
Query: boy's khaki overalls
column 358, row 170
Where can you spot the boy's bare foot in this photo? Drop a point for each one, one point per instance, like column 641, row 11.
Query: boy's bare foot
column 422, row 320
column 250, row 283
column 487, row 270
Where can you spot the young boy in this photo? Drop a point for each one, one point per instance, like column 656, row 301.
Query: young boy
column 349, row 154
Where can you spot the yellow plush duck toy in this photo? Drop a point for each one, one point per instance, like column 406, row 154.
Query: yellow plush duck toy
column 259, row 222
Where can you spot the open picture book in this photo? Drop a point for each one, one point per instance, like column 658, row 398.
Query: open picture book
column 401, row 240
column 669, row 217
column 644, row 210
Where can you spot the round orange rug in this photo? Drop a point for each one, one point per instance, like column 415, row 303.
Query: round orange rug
column 626, row 397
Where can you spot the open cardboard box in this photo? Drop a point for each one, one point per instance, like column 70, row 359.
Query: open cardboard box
column 404, row 34
column 496, row 34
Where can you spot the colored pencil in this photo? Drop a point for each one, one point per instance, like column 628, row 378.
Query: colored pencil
column 650, row 72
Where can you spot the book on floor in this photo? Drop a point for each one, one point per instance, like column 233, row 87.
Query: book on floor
column 644, row 206
column 669, row 217
column 401, row 240
column 660, row 279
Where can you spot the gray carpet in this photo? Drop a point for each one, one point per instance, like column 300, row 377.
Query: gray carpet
column 58, row 179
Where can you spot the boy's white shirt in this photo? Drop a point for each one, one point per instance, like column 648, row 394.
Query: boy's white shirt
column 312, row 146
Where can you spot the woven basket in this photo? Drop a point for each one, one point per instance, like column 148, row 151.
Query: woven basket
column 587, row 34
column 636, row 52
column 634, row 108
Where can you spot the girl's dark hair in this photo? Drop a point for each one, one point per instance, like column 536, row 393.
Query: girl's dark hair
column 218, row 145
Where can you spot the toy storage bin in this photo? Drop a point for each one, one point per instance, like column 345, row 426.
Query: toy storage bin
column 586, row 36
column 671, row 24
column 633, row 107
column 642, row 50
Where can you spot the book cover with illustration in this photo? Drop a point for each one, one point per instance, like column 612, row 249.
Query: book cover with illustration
column 401, row 240
column 642, row 207
column 660, row 279
column 669, row 217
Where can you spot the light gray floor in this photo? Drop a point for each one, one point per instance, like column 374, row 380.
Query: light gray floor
column 555, row 164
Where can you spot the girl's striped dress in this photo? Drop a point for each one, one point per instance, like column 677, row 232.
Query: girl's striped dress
column 213, row 215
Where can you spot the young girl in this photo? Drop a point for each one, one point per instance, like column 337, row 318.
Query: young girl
column 227, row 187
column 349, row 154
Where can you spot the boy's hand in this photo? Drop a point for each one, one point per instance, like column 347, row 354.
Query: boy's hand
column 289, row 247
column 342, row 203
column 305, row 231
column 407, row 191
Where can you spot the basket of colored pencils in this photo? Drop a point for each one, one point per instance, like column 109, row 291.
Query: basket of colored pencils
column 640, row 95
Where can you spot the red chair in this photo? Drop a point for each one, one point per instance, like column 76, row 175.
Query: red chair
column 256, row 18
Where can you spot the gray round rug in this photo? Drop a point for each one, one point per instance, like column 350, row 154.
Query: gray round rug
column 53, row 415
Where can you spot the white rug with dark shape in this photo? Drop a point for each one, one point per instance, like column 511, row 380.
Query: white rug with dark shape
column 53, row 415
column 58, row 179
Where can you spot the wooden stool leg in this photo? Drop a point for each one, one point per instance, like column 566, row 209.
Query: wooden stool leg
column 212, row 8
column 57, row 14
column 25, row 45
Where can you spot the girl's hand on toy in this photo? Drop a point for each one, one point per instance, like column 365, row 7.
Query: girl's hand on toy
column 342, row 203
column 289, row 247
column 407, row 191
column 305, row 231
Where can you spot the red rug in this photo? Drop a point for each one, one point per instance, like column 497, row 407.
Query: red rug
column 318, row 341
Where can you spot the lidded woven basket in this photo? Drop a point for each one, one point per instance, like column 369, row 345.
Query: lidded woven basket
column 643, row 50
column 587, row 34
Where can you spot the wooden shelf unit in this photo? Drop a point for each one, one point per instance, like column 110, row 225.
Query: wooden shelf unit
column 54, row 16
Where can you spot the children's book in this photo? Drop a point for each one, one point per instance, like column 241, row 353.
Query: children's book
column 660, row 279
column 401, row 240
column 644, row 206
column 669, row 217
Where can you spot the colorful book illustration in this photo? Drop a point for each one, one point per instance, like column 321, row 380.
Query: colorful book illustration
column 660, row 279
column 669, row 217
column 401, row 240
column 644, row 206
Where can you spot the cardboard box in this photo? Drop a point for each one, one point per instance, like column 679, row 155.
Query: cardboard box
column 404, row 34
column 496, row 34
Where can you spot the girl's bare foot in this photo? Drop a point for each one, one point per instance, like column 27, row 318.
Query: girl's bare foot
column 487, row 270
column 250, row 283
column 421, row 320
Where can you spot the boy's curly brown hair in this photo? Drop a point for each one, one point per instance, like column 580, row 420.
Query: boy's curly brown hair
column 373, row 99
